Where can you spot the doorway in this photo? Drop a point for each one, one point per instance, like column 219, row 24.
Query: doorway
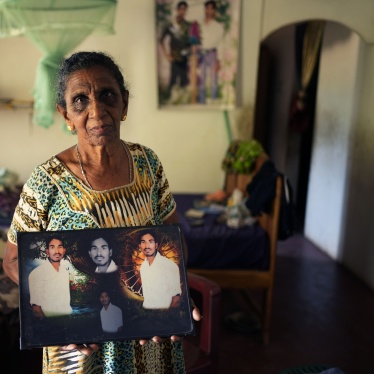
column 289, row 147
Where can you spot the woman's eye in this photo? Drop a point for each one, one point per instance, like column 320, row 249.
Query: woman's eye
column 108, row 94
column 79, row 99
column 80, row 102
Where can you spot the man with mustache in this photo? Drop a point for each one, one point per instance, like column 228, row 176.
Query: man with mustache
column 101, row 254
column 49, row 282
column 160, row 275
column 210, row 51
column 111, row 315
column 176, row 51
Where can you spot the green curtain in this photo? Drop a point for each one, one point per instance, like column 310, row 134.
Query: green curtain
column 55, row 27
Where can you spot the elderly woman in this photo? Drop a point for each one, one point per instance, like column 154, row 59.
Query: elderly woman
column 100, row 182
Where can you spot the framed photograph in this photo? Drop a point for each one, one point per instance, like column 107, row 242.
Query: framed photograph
column 197, row 53
column 90, row 286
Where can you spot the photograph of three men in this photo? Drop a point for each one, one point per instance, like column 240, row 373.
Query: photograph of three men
column 102, row 284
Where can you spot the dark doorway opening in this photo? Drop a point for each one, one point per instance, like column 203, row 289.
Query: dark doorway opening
column 288, row 146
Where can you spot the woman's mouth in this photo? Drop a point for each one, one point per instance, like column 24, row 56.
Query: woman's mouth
column 101, row 129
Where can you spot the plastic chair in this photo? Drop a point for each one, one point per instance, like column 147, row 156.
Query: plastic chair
column 201, row 351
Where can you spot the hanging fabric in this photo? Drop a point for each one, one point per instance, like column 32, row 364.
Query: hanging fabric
column 311, row 44
column 55, row 27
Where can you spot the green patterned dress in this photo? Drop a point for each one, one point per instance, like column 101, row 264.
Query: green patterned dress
column 54, row 199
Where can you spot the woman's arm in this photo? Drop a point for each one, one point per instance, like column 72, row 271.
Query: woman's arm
column 173, row 218
column 10, row 263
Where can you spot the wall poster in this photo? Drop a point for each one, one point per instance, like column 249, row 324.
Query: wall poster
column 197, row 53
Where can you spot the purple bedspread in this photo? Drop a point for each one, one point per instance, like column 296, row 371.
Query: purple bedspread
column 216, row 246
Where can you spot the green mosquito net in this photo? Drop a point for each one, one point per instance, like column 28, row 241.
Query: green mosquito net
column 55, row 27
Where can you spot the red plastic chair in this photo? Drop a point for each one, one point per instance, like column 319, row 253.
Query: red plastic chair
column 201, row 351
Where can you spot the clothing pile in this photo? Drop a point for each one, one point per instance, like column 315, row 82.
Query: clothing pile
column 9, row 195
column 261, row 193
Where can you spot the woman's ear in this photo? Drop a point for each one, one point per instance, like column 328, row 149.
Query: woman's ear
column 125, row 100
column 62, row 111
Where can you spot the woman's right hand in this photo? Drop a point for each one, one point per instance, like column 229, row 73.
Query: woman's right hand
column 38, row 312
column 10, row 263
column 196, row 315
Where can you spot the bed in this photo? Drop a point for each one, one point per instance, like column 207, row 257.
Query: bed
column 213, row 245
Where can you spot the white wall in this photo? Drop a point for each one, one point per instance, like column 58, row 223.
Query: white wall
column 335, row 113
column 358, row 226
column 190, row 143
column 344, row 226
column 356, row 15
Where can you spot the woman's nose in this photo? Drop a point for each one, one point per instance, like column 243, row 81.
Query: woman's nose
column 96, row 108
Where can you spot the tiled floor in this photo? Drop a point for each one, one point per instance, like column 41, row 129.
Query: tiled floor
column 322, row 314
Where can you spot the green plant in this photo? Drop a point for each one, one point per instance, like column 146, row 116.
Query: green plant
column 241, row 156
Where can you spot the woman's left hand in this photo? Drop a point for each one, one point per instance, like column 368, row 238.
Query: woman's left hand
column 86, row 349
column 157, row 339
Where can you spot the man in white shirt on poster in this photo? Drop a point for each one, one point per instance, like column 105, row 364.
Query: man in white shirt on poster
column 111, row 315
column 49, row 283
column 212, row 37
column 101, row 252
column 159, row 275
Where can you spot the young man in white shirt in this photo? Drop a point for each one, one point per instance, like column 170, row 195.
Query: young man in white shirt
column 159, row 275
column 49, row 283
column 101, row 253
column 111, row 315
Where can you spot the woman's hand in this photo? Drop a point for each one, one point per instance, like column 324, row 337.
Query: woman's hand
column 38, row 312
column 10, row 263
column 86, row 349
column 157, row 339
column 196, row 315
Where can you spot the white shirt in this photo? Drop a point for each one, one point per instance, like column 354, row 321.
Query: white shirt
column 111, row 318
column 50, row 289
column 111, row 268
column 212, row 35
column 160, row 282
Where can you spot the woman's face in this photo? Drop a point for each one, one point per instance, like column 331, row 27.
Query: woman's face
column 94, row 105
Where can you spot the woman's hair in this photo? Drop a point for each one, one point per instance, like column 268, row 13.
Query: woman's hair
column 82, row 61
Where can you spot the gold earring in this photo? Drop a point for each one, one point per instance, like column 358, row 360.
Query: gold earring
column 71, row 129
column 124, row 117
